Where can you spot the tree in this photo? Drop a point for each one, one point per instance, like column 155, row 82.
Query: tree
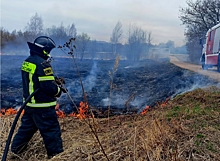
column 204, row 13
column 116, row 36
column 81, row 44
column 136, row 41
column 195, row 48
column 171, row 46
column 15, row 39
column 198, row 17
column 61, row 34
column 35, row 26
column 149, row 38
column 149, row 44
column 58, row 34
column 71, row 31
column 5, row 37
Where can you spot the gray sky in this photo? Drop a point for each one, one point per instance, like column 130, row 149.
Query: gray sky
column 97, row 18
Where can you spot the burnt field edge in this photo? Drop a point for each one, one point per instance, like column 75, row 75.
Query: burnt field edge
column 136, row 84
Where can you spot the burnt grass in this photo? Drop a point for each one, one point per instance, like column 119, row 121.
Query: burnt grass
column 135, row 84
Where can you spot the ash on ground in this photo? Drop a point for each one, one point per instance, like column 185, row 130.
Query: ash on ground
column 128, row 88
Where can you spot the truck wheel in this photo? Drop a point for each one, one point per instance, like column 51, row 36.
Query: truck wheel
column 204, row 66
column 218, row 65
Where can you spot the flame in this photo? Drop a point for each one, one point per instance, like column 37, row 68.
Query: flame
column 9, row 111
column 83, row 109
column 59, row 112
column 145, row 110
column 57, row 106
column 82, row 113
column 22, row 113
column 2, row 112
column 165, row 102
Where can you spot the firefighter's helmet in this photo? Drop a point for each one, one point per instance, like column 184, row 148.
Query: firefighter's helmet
column 46, row 43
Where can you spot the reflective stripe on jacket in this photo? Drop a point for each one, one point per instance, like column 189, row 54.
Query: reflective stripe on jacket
column 37, row 73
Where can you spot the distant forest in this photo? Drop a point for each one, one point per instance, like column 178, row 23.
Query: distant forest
column 138, row 45
column 198, row 17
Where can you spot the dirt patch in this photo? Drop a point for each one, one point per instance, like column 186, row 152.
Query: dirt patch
column 211, row 72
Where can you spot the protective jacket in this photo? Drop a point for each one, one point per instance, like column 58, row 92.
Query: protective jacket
column 38, row 73
column 39, row 113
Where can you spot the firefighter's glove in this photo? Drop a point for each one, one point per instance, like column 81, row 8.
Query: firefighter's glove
column 59, row 81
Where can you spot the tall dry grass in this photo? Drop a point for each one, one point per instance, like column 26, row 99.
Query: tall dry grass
column 127, row 138
column 153, row 136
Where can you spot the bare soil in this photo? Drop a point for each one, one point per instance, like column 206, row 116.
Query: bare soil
column 211, row 72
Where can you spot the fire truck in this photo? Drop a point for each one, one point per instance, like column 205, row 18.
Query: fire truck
column 211, row 49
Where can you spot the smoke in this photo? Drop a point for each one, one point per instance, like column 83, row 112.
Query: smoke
column 122, row 100
column 191, row 82
column 90, row 80
column 136, row 84
column 117, row 100
column 75, row 87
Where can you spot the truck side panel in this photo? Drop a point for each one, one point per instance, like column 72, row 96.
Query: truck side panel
column 211, row 48
column 212, row 59
column 210, row 42
column 216, row 44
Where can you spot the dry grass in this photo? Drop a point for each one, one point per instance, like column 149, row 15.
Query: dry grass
column 187, row 128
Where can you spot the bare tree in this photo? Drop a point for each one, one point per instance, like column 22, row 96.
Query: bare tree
column 116, row 36
column 149, row 38
column 149, row 42
column 71, row 30
column 81, row 44
column 204, row 13
column 136, row 41
column 171, row 46
column 59, row 33
column 6, row 37
column 35, row 26
column 198, row 17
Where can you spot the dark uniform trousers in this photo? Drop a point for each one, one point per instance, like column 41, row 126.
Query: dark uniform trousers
column 47, row 122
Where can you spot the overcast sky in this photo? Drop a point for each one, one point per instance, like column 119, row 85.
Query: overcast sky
column 98, row 18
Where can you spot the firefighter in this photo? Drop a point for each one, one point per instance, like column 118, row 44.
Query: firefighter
column 40, row 111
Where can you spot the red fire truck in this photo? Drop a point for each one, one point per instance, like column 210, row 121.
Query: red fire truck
column 211, row 49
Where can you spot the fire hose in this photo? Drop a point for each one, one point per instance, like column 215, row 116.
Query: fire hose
column 14, row 125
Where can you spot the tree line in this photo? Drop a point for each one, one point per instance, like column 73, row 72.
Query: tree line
column 138, row 45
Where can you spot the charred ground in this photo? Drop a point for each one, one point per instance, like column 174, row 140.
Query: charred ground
column 135, row 84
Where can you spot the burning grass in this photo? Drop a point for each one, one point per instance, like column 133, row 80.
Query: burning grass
column 81, row 114
column 185, row 128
